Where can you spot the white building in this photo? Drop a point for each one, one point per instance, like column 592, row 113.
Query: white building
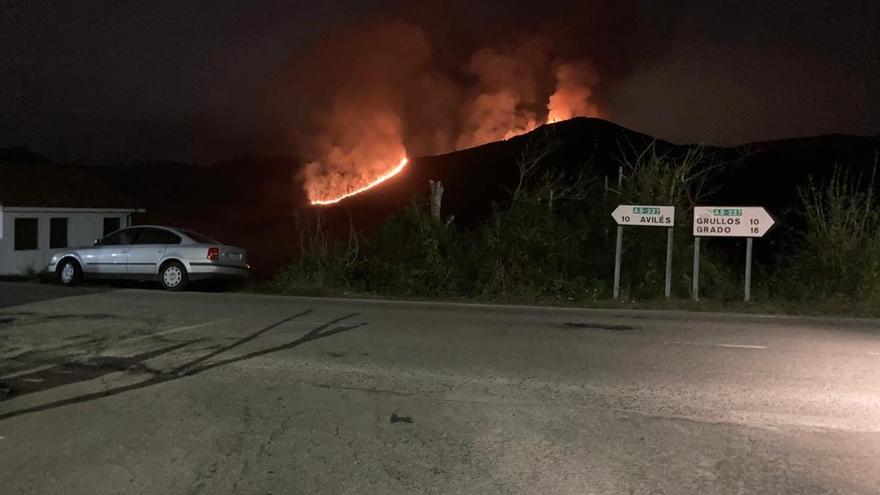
column 47, row 208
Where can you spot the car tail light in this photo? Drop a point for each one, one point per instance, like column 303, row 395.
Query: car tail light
column 213, row 253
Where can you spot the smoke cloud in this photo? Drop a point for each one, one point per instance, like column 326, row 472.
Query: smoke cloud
column 574, row 83
column 355, row 85
column 508, row 89
column 378, row 91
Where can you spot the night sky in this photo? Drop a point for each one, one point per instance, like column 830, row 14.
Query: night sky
column 108, row 82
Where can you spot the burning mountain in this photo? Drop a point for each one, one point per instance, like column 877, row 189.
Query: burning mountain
column 386, row 97
column 373, row 183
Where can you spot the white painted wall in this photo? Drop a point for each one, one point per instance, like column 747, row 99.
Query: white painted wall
column 83, row 227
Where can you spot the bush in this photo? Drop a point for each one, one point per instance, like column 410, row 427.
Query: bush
column 840, row 255
column 323, row 265
column 413, row 254
column 553, row 241
column 532, row 252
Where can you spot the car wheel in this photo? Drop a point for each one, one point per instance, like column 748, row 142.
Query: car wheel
column 173, row 276
column 69, row 273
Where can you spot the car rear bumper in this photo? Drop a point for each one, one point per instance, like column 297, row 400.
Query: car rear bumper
column 199, row 271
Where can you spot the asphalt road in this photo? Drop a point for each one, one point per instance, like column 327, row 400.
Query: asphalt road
column 142, row 391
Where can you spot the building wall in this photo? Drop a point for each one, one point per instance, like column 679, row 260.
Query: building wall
column 83, row 227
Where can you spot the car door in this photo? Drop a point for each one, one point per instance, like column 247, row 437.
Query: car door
column 148, row 250
column 110, row 255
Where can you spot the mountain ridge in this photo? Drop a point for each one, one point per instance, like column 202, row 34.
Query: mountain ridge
column 257, row 202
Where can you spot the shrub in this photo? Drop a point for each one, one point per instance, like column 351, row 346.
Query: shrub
column 532, row 252
column 323, row 265
column 840, row 255
column 413, row 254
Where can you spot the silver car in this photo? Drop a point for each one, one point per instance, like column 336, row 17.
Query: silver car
column 174, row 257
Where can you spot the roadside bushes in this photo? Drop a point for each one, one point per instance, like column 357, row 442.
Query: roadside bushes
column 839, row 259
column 553, row 241
column 530, row 252
column 413, row 254
column 524, row 253
column 323, row 266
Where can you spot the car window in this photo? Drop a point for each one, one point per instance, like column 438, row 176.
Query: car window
column 200, row 238
column 156, row 236
column 119, row 238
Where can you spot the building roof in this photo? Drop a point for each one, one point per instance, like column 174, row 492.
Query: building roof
column 56, row 186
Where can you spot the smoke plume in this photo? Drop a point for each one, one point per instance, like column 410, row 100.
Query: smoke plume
column 574, row 83
column 375, row 92
column 356, row 87
column 508, row 89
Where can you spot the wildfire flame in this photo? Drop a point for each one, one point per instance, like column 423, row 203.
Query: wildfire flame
column 365, row 130
column 382, row 178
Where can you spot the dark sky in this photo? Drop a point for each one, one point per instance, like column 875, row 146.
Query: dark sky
column 106, row 81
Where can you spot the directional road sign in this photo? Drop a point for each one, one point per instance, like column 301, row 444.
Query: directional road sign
column 731, row 221
column 644, row 216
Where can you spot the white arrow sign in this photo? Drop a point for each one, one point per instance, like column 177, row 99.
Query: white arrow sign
column 645, row 216
column 731, row 221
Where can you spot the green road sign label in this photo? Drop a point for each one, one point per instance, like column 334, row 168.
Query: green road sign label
column 727, row 212
column 645, row 210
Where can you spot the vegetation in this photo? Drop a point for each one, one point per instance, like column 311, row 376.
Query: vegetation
column 838, row 260
column 553, row 242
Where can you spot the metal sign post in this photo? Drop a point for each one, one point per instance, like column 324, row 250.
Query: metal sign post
column 748, row 289
column 617, row 255
column 667, row 289
column 644, row 216
column 695, row 290
column 730, row 221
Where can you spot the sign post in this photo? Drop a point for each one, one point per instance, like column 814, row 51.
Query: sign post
column 748, row 291
column 729, row 221
column 667, row 286
column 695, row 290
column 617, row 254
column 643, row 216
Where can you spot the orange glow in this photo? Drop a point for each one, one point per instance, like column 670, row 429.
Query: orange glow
column 382, row 178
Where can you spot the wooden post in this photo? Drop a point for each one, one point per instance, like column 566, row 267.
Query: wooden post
column 436, row 199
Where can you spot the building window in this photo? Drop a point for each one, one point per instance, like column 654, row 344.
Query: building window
column 111, row 224
column 26, row 234
column 57, row 233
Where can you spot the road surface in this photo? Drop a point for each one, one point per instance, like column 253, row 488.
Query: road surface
column 147, row 392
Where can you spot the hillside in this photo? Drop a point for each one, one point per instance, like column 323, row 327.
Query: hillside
column 255, row 201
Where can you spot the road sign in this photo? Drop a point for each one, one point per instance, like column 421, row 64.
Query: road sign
column 731, row 221
column 644, row 216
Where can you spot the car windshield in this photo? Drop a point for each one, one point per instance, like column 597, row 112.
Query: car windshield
column 203, row 239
